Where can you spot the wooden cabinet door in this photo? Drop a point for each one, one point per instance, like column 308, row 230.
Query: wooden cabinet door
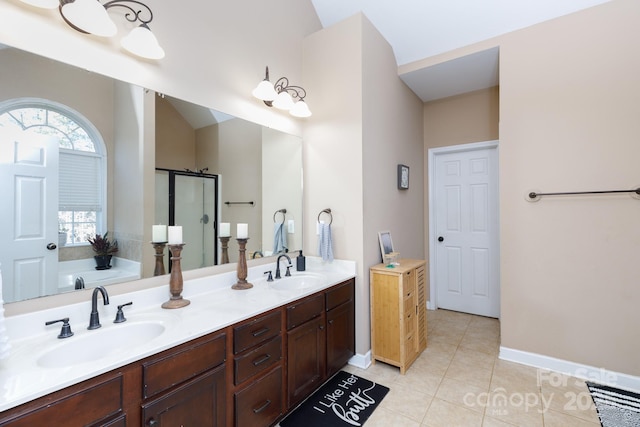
column 306, row 359
column 200, row 402
column 341, row 337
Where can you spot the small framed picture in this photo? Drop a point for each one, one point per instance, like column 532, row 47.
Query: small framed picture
column 403, row 177
column 386, row 244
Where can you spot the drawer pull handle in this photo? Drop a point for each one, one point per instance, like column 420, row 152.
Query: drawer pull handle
column 262, row 408
column 153, row 423
column 263, row 359
column 330, row 322
column 260, row 332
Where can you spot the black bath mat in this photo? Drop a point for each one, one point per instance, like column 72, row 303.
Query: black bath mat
column 346, row 400
column 616, row 407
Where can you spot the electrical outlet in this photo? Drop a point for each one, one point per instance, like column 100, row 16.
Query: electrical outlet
column 290, row 227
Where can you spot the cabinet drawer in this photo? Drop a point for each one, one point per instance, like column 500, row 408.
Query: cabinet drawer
column 409, row 304
column 176, row 367
column 256, row 331
column 260, row 403
column 87, row 405
column 339, row 295
column 257, row 360
column 302, row 311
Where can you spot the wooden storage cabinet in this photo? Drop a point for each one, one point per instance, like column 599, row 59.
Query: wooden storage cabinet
column 320, row 339
column 257, row 392
column 398, row 312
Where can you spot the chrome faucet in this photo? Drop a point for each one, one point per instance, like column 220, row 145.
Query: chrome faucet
column 278, row 266
column 94, row 319
column 79, row 282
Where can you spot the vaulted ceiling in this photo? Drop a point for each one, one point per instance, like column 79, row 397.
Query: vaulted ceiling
column 419, row 29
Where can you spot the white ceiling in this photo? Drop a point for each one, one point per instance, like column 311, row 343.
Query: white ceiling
column 419, row 29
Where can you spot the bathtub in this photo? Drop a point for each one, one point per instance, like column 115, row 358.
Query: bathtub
column 122, row 270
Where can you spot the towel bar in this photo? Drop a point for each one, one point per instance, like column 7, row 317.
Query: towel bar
column 282, row 211
column 328, row 212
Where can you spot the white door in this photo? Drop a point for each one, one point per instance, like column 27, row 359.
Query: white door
column 29, row 231
column 465, row 229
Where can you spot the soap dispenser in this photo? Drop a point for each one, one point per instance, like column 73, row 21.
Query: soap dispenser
column 301, row 262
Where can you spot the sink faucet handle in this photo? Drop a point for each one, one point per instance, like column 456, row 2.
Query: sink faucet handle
column 120, row 315
column 65, row 332
column 288, row 273
column 269, row 277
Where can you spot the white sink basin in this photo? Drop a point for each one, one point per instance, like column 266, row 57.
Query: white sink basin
column 99, row 343
column 296, row 282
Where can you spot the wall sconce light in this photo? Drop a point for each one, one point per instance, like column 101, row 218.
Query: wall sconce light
column 91, row 17
column 282, row 95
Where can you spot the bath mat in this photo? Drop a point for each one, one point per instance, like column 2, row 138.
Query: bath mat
column 346, row 400
column 616, row 408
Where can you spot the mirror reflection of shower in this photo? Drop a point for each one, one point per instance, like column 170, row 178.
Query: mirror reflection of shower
column 190, row 199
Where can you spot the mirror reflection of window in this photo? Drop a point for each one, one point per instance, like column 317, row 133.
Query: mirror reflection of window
column 81, row 162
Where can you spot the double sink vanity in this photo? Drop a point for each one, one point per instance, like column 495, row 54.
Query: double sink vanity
column 231, row 357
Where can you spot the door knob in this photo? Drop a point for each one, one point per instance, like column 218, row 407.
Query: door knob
column 51, row 246
column 440, row 239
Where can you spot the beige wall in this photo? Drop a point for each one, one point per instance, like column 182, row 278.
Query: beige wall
column 175, row 138
column 569, row 109
column 365, row 123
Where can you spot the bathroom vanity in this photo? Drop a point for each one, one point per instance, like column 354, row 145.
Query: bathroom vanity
column 242, row 358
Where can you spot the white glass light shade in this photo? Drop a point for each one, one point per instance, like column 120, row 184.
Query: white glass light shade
column 300, row 109
column 44, row 4
column 265, row 91
column 89, row 16
column 283, row 101
column 142, row 42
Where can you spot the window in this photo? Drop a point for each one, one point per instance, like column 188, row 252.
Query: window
column 81, row 191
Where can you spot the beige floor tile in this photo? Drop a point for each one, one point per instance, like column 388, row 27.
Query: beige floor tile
column 444, row 414
column 442, row 349
column 560, row 419
column 469, row 374
column 492, row 422
column 407, row 402
column 420, row 379
column 515, row 407
column 462, row 394
column 568, row 395
column 383, row 417
column 484, row 345
column 381, row 373
column 475, row 358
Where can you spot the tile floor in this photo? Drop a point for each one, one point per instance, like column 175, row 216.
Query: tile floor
column 459, row 381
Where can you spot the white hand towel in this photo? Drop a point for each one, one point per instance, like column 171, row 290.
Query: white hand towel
column 325, row 242
column 279, row 238
column 5, row 347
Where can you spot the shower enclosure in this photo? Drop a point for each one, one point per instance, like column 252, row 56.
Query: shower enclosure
column 190, row 199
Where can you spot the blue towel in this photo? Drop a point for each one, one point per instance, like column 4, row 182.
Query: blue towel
column 325, row 243
column 279, row 238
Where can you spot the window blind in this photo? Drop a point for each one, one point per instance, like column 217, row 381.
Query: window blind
column 79, row 186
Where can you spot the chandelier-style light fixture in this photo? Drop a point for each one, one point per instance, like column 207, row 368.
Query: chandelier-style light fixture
column 282, row 95
column 91, row 17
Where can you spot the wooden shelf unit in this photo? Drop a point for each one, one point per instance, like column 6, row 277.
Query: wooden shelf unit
column 398, row 312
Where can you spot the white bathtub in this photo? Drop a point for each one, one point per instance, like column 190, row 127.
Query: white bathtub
column 122, row 270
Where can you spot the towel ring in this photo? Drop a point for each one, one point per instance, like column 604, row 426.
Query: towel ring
column 328, row 212
column 282, row 211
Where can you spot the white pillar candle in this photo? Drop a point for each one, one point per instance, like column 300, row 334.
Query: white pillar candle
column 159, row 233
column 225, row 229
column 242, row 231
column 175, row 235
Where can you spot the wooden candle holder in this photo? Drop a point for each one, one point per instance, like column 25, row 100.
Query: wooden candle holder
column 159, row 268
column 175, row 280
column 224, row 244
column 242, row 267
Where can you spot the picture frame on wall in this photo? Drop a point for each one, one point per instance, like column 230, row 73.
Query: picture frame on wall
column 403, row 177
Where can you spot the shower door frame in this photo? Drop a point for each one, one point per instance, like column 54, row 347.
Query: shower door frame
column 172, row 203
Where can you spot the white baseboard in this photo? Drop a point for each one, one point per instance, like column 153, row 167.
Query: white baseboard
column 362, row 361
column 585, row 372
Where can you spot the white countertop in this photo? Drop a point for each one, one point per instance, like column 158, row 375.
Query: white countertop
column 214, row 305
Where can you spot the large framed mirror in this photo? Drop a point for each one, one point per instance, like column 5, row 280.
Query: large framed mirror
column 141, row 138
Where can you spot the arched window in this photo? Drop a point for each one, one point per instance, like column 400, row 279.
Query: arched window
column 81, row 167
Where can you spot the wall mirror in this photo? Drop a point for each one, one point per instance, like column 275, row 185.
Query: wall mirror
column 227, row 170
